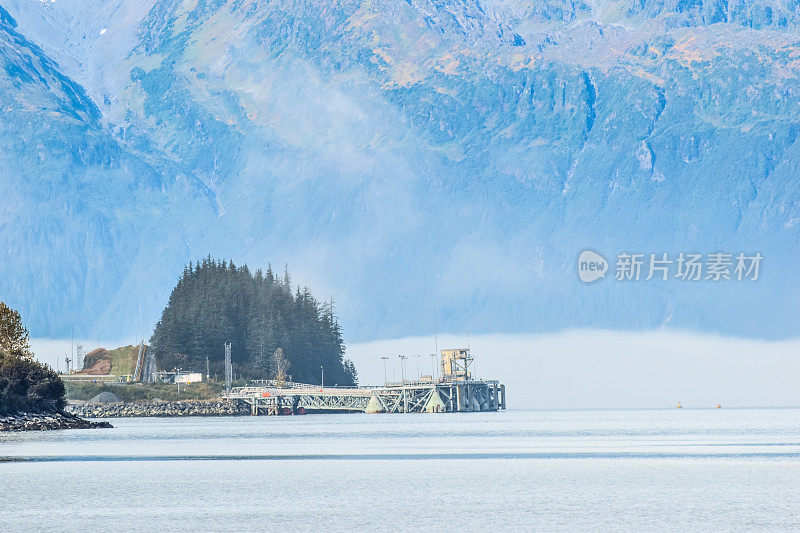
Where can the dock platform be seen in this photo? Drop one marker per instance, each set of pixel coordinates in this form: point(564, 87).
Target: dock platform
point(455, 390)
point(409, 397)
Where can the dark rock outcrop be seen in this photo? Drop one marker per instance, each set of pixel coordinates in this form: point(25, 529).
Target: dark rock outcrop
point(47, 421)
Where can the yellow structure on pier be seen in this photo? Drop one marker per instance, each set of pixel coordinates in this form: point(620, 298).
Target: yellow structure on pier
point(455, 364)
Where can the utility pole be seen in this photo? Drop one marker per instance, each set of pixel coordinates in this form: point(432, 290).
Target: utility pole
point(228, 367)
point(384, 368)
point(435, 332)
point(208, 370)
point(433, 366)
point(322, 378)
point(403, 367)
point(418, 374)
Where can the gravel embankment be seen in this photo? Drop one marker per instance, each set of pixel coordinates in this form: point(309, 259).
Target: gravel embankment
point(138, 409)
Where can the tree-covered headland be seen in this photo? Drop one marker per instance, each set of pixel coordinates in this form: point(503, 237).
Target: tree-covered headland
point(275, 332)
point(25, 385)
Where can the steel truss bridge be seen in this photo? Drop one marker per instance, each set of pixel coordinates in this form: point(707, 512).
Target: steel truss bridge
point(273, 398)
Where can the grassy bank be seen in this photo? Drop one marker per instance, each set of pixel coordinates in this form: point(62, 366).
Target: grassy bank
point(141, 392)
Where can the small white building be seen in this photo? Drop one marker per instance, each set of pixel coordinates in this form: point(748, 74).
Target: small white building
point(188, 377)
point(178, 376)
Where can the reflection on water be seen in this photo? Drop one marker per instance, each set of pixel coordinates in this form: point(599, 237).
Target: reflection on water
point(620, 469)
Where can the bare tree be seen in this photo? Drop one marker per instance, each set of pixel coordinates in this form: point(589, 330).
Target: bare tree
point(280, 367)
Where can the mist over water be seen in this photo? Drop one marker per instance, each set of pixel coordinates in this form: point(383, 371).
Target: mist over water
point(609, 369)
point(583, 368)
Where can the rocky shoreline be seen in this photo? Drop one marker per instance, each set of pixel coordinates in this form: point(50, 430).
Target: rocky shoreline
point(47, 421)
point(158, 409)
point(74, 414)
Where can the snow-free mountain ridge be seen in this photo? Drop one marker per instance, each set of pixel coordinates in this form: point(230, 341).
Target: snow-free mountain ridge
point(400, 153)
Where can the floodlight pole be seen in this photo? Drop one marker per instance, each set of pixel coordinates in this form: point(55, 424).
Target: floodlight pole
point(384, 368)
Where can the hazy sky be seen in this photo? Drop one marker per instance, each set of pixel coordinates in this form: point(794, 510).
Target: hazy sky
point(595, 369)
point(591, 369)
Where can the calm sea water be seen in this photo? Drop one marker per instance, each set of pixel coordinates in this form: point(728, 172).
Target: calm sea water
point(716, 469)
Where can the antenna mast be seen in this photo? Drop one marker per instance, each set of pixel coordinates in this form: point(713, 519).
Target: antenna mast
point(435, 335)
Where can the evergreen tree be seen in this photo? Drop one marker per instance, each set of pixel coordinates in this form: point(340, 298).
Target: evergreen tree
point(217, 302)
point(25, 385)
point(13, 335)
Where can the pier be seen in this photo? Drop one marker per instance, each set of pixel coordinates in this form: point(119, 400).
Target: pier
point(455, 391)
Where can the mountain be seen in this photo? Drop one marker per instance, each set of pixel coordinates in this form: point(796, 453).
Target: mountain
point(399, 154)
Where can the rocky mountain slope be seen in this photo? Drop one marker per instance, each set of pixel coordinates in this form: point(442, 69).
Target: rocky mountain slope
point(398, 153)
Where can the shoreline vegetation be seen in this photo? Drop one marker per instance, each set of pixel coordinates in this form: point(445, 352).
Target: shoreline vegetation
point(275, 332)
point(32, 396)
point(81, 392)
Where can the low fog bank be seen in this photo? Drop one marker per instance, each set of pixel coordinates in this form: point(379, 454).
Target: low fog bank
point(599, 369)
point(585, 368)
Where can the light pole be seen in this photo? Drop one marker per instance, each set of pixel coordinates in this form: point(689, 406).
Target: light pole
point(403, 367)
point(433, 366)
point(384, 368)
point(322, 379)
point(418, 374)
